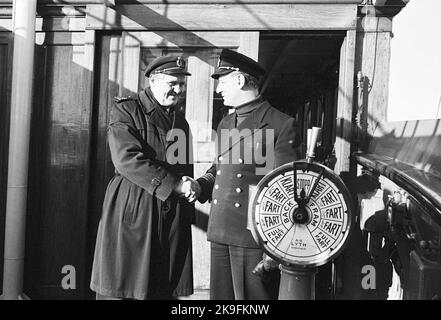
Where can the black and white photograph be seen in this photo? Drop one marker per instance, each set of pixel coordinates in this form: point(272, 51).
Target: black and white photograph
point(220, 158)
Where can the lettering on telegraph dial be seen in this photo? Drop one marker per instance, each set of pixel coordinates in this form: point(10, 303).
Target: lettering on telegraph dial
point(315, 237)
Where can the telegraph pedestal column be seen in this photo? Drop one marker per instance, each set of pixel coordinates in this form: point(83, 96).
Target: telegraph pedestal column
point(301, 215)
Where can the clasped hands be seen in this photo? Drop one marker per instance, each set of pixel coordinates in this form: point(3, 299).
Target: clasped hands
point(188, 188)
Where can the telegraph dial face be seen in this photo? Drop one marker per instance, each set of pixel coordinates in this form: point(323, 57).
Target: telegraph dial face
point(306, 232)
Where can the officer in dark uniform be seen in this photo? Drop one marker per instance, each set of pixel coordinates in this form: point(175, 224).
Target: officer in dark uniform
point(255, 128)
point(143, 246)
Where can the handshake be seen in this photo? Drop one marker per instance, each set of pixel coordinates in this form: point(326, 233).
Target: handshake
point(188, 188)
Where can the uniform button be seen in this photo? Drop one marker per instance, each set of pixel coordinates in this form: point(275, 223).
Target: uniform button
point(240, 160)
point(156, 182)
point(238, 190)
point(239, 175)
point(218, 172)
point(215, 201)
point(216, 186)
point(237, 204)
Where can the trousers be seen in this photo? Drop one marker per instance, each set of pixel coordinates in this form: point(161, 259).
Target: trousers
point(231, 276)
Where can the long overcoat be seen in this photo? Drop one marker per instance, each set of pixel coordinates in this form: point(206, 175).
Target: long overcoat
point(143, 246)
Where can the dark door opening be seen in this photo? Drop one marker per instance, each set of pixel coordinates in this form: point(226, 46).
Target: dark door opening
point(302, 78)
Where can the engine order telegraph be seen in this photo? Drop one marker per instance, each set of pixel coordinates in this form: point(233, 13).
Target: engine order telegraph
point(301, 215)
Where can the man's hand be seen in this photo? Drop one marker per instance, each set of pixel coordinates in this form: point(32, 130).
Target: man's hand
point(189, 189)
point(192, 189)
point(267, 264)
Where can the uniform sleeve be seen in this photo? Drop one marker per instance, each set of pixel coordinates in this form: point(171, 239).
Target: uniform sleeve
point(207, 183)
point(134, 158)
point(287, 148)
point(208, 179)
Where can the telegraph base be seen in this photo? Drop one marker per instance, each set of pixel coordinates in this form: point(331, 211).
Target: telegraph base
point(297, 284)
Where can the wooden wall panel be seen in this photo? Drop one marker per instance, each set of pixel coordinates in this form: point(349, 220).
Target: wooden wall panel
point(131, 52)
point(249, 44)
point(200, 89)
point(59, 168)
point(36, 148)
point(101, 167)
point(171, 39)
point(373, 60)
point(345, 104)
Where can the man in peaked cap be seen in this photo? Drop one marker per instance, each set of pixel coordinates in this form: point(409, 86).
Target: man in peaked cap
point(230, 61)
point(234, 252)
point(143, 246)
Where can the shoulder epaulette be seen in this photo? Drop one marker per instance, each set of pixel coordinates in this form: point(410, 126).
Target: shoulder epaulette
point(122, 99)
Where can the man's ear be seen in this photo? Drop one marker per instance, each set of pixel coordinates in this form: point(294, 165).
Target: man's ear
point(241, 80)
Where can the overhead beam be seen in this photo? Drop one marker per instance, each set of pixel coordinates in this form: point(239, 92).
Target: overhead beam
point(222, 17)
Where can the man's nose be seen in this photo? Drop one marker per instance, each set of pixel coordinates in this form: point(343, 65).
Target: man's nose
point(218, 88)
point(178, 88)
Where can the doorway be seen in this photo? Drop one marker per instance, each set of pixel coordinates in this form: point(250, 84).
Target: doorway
point(303, 79)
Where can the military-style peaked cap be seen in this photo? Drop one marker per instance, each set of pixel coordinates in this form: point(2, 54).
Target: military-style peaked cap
point(168, 65)
point(230, 61)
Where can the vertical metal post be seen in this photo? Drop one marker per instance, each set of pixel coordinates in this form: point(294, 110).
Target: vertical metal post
point(21, 105)
point(297, 284)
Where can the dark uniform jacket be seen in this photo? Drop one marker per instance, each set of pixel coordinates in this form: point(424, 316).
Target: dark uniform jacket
point(143, 247)
point(226, 183)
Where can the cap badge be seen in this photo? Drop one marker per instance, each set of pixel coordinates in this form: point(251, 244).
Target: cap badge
point(180, 62)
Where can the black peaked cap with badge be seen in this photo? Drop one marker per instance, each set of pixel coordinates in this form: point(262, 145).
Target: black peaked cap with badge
point(169, 64)
point(230, 61)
